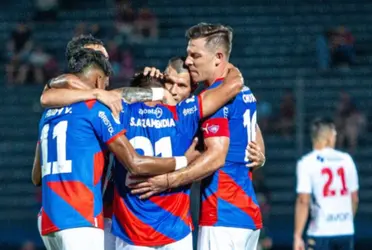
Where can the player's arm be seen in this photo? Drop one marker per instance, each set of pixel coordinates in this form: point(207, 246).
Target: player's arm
point(63, 97)
point(143, 165)
point(36, 169)
point(211, 160)
point(213, 99)
point(303, 199)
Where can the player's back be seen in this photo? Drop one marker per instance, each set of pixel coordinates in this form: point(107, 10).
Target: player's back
point(228, 197)
point(332, 177)
point(163, 132)
point(72, 164)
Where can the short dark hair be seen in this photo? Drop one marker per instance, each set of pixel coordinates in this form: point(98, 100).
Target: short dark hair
point(178, 64)
point(84, 58)
point(319, 124)
point(215, 34)
point(141, 81)
point(79, 42)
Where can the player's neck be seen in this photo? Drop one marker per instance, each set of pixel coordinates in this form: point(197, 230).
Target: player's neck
point(220, 72)
point(88, 84)
point(320, 146)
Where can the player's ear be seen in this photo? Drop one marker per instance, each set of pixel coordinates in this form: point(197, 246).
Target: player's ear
point(100, 82)
point(219, 56)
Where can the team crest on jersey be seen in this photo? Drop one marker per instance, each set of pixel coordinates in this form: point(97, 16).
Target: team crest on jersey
point(213, 129)
point(158, 112)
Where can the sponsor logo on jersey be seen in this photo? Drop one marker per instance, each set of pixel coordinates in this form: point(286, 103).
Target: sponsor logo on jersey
point(158, 112)
point(191, 99)
point(225, 112)
point(338, 217)
point(116, 119)
point(106, 121)
point(59, 111)
point(152, 123)
point(189, 111)
point(249, 98)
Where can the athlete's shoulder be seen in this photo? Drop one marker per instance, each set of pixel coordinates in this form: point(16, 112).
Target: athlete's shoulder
point(342, 155)
point(309, 157)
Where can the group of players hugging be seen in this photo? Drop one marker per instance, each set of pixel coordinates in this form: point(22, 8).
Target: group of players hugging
point(116, 166)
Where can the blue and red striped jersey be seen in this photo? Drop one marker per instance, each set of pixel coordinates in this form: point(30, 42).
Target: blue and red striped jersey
point(228, 198)
point(72, 139)
point(162, 131)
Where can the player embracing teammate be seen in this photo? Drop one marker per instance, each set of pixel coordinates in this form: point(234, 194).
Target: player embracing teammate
point(230, 216)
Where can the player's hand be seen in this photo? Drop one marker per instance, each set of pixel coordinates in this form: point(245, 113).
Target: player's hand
point(255, 155)
point(151, 186)
point(153, 72)
point(298, 243)
point(111, 99)
point(233, 73)
point(192, 153)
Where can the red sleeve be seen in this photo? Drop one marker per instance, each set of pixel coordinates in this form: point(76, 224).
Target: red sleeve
point(216, 127)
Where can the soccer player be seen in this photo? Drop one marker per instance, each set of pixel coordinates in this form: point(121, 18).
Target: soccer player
point(327, 183)
point(162, 222)
point(111, 99)
point(71, 142)
point(230, 217)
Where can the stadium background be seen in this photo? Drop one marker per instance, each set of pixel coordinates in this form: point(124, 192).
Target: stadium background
point(278, 46)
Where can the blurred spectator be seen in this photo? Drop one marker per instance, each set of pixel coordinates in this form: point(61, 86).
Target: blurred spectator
point(335, 48)
point(97, 31)
point(146, 24)
point(264, 111)
point(323, 50)
point(46, 10)
point(38, 64)
point(286, 114)
point(125, 18)
point(127, 66)
point(115, 57)
point(18, 50)
point(28, 245)
point(80, 29)
point(343, 52)
point(350, 123)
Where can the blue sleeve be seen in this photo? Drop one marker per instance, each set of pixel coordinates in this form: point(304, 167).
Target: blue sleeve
point(190, 113)
point(106, 127)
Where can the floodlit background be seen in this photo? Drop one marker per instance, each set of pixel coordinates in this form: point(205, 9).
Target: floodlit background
point(300, 58)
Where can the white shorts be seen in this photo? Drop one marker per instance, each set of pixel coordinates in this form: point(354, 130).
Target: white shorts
point(81, 238)
point(227, 238)
point(109, 237)
point(184, 244)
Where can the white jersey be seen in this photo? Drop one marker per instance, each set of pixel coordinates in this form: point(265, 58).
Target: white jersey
point(330, 176)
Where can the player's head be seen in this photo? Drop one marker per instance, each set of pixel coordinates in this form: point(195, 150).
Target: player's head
point(209, 48)
point(91, 66)
point(323, 133)
point(181, 87)
point(84, 41)
point(141, 81)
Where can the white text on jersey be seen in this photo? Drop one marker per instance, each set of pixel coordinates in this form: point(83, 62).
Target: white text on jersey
point(152, 123)
point(52, 112)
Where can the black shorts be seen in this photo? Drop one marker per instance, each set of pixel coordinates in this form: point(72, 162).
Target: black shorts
point(330, 243)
